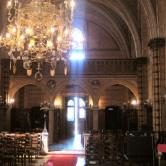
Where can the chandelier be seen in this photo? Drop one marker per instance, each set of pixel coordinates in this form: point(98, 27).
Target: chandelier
point(38, 31)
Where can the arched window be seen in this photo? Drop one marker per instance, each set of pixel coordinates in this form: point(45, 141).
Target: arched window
point(70, 110)
point(82, 111)
point(81, 102)
point(76, 108)
point(70, 103)
point(77, 51)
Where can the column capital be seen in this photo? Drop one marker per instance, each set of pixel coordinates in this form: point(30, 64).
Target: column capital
point(156, 43)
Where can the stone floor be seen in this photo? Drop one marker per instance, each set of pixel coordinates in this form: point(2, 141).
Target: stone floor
point(73, 143)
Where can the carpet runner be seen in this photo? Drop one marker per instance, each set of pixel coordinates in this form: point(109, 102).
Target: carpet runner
point(62, 160)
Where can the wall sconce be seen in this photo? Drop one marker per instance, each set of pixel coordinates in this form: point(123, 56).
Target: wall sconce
point(11, 101)
point(58, 102)
point(134, 102)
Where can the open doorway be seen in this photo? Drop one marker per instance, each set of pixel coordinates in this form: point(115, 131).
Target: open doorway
point(75, 114)
point(26, 115)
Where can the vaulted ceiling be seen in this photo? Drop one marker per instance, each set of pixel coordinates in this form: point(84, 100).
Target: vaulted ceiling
point(113, 28)
point(130, 23)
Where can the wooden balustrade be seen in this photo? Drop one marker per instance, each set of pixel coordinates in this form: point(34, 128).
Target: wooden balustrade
point(88, 67)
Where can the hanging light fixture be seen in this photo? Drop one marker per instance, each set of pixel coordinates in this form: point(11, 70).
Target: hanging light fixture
point(39, 31)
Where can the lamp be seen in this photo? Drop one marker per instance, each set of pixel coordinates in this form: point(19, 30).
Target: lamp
point(39, 31)
point(134, 102)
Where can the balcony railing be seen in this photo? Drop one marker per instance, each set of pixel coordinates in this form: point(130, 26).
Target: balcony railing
point(89, 67)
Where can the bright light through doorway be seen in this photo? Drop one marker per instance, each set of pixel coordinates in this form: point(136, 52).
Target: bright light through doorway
point(76, 115)
point(76, 112)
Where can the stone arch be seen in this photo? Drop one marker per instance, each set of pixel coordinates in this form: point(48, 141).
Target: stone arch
point(19, 83)
point(61, 85)
point(128, 84)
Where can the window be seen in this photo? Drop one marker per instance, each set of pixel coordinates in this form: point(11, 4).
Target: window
point(76, 108)
point(82, 111)
point(81, 102)
point(70, 114)
point(82, 114)
point(70, 111)
point(77, 52)
point(70, 103)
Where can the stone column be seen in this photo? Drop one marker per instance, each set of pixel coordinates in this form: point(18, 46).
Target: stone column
point(157, 46)
point(142, 89)
point(96, 85)
point(4, 88)
point(51, 127)
point(95, 118)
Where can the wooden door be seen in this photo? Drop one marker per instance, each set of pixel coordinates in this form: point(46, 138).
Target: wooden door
point(76, 115)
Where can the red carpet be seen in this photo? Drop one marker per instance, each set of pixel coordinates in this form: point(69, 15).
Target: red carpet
point(62, 160)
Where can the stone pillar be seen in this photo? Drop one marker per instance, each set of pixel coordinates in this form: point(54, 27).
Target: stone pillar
point(51, 126)
point(4, 88)
point(142, 89)
point(5, 80)
point(95, 118)
point(96, 85)
point(157, 46)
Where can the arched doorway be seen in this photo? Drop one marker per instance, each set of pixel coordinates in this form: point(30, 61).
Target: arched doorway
point(120, 108)
point(25, 113)
point(116, 94)
point(76, 114)
point(71, 117)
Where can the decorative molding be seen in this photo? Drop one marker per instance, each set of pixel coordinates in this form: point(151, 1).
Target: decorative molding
point(51, 84)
